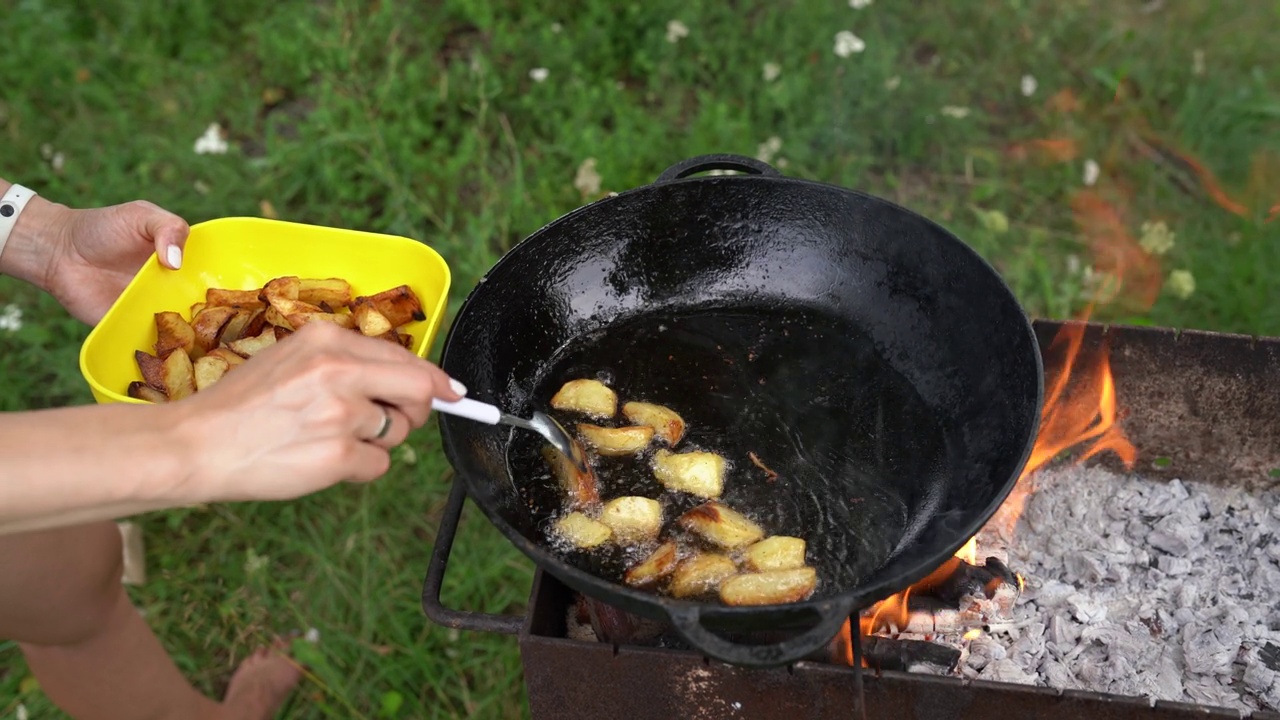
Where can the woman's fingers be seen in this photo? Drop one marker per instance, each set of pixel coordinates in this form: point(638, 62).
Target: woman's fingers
point(389, 427)
point(167, 231)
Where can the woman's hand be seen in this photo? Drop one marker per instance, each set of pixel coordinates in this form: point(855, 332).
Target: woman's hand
point(302, 415)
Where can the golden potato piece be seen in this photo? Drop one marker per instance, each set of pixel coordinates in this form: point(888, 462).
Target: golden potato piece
point(701, 574)
point(152, 369)
point(404, 340)
point(582, 531)
point(399, 305)
point(281, 288)
point(209, 370)
point(589, 397)
point(173, 333)
point(334, 292)
point(226, 354)
point(369, 320)
point(281, 332)
point(633, 518)
point(139, 390)
point(666, 423)
point(177, 373)
point(208, 326)
point(697, 473)
point(616, 441)
point(342, 320)
point(769, 588)
point(237, 325)
point(581, 488)
point(196, 308)
point(250, 346)
point(243, 299)
point(651, 570)
point(721, 525)
point(779, 552)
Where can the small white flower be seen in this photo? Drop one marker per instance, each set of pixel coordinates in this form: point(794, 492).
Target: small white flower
point(1028, 85)
point(253, 562)
point(1182, 284)
point(1197, 62)
point(312, 636)
point(676, 30)
point(892, 83)
point(556, 28)
point(407, 455)
point(955, 111)
point(20, 712)
point(859, 4)
point(211, 142)
point(1156, 238)
point(847, 44)
point(766, 151)
point(539, 74)
point(587, 180)
point(57, 161)
point(11, 318)
point(201, 187)
point(46, 151)
point(1091, 172)
point(1073, 264)
point(771, 71)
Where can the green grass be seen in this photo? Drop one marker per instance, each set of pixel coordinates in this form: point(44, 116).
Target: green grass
point(422, 119)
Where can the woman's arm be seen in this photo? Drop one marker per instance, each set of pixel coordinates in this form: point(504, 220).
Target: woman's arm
point(33, 243)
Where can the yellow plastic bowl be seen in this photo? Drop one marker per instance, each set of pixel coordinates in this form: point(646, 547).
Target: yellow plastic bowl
point(242, 253)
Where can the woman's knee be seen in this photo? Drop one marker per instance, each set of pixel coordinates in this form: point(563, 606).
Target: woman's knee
point(59, 587)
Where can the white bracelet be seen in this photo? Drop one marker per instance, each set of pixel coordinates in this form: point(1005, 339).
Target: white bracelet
point(11, 205)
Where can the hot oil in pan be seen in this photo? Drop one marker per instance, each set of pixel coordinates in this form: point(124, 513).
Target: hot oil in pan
point(851, 443)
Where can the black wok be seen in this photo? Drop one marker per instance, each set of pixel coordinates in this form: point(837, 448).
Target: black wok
point(865, 354)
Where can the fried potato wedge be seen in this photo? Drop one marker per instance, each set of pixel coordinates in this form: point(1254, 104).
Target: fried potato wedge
point(721, 525)
point(242, 299)
point(197, 307)
point(404, 340)
point(139, 390)
point(581, 488)
point(281, 288)
point(237, 325)
point(368, 319)
point(701, 574)
point(152, 369)
point(616, 441)
point(659, 564)
point(173, 333)
point(582, 531)
point(342, 320)
point(779, 552)
point(281, 332)
point(272, 316)
point(586, 396)
point(208, 326)
point(228, 355)
point(697, 473)
point(250, 346)
point(775, 587)
point(177, 372)
point(295, 307)
point(633, 518)
point(334, 292)
point(399, 305)
point(666, 423)
point(209, 370)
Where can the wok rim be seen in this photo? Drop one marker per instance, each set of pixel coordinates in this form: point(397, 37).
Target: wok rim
point(851, 599)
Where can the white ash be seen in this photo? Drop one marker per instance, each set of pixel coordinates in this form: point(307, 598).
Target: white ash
point(1164, 590)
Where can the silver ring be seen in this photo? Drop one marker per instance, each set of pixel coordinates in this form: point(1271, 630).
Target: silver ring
point(386, 424)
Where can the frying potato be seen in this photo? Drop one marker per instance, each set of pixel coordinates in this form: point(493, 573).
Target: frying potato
point(616, 441)
point(582, 531)
point(139, 390)
point(334, 292)
point(701, 574)
point(399, 305)
point(633, 518)
point(779, 552)
point(208, 326)
point(173, 333)
point(243, 299)
point(342, 320)
point(697, 473)
point(721, 525)
point(580, 487)
point(177, 374)
point(250, 346)
point(152, 369)
point(769, 588)
point(666, 423)
point(368, 319)
point(209, 370)
point(651, 570)
point(589, 397)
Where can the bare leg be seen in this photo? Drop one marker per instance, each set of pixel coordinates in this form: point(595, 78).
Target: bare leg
point(61, 599)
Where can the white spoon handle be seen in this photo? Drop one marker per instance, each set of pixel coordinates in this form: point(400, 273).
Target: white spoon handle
point(470, 409)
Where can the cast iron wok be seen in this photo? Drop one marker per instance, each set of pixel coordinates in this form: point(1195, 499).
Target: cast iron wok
point(863, 353)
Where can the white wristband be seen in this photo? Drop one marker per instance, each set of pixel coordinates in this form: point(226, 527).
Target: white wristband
point(11, 205)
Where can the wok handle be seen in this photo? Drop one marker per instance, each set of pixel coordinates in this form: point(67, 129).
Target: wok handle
point(688, 622)
point(724, 161)
point(431, 605)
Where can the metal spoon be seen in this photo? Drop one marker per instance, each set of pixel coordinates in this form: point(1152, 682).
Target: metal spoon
point(541, 423)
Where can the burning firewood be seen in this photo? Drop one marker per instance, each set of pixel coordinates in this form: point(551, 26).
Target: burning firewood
point(882, 653)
